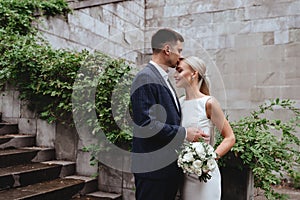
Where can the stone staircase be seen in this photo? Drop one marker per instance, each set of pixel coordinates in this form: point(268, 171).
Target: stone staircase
point(32, 173)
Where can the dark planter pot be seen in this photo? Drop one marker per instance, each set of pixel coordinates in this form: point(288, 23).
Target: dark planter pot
point(237, 182)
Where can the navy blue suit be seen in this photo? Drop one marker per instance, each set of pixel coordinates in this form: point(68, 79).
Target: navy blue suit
point(157, 134)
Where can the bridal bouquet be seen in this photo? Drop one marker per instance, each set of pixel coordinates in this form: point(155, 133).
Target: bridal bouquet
point(197, 158)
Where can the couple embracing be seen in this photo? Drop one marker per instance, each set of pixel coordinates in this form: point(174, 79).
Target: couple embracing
point(162, 122)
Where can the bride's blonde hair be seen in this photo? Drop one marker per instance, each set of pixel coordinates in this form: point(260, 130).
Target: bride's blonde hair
point(199, 66)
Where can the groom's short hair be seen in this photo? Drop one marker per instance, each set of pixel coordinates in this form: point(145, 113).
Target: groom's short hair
point(164, 36)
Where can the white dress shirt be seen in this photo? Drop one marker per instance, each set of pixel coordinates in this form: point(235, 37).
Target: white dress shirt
point(164, 74)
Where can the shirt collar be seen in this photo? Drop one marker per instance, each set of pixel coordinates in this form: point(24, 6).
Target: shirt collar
point(162, 72)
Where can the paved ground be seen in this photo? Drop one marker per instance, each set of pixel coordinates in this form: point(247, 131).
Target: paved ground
point(292, 193)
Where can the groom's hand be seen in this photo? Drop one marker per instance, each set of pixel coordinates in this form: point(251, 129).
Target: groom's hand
point(193, 135)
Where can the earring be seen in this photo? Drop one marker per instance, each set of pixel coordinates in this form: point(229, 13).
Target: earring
point(192, 78)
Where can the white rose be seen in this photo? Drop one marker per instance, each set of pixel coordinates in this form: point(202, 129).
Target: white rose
point(200, 152)
point(188, 157)
point(205, 169)
point(199, 172)
point(210, 150)
point(211, 164)
point(196, 144)
point(197, 164)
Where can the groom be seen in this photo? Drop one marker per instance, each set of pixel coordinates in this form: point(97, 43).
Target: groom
point(157, 116)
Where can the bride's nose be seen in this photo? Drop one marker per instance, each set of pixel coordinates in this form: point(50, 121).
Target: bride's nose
point(175, 74)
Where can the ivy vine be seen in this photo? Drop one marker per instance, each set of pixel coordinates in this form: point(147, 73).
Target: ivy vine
point(45, 76)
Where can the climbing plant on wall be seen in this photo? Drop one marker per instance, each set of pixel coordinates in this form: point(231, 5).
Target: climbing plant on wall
point(45, 76)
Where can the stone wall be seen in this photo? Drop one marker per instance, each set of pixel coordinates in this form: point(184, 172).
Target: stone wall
point(251, 47)
point(116, 29)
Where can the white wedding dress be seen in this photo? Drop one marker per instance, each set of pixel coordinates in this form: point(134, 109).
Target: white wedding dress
point(194, 115)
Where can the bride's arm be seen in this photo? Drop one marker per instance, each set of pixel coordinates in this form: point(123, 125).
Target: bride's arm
point(216, 115)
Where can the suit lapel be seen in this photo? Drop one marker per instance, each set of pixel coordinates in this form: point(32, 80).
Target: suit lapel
point(162, 81)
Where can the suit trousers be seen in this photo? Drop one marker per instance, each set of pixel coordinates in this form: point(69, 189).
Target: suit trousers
point(152, 189)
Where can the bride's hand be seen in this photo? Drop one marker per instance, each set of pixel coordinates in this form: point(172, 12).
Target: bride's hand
point(193, 135)
point(205, 137)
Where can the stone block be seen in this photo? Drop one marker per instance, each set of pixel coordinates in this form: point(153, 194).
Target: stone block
point(281, 37)
point(138, 8)
point(83, 166)
point(292, 73)
point(260, 93)
point(81, 19)
point(297, 21)
point(214, 42)
point(97, 13)
point(27, 125)
point(110, 180)
point(172, 2)
point(45, 133)
point(294, 35)
point(249, 40)
point(7, 104)
point(229, 41)
point(65, 144)
point(60, 27)
point(108, 18)
point(149, 13)
point(158, 13)
point(270, 79)
point(290, 92)
point(226, 54)
point(292, 50)
point(269, 52)
point(238, 98)
point(85, 37)
point(135, 39)
point(16, 104)
point(128, 194)
point(151, 22)
point(293, 8)
point(176, 10)
point(235, 114)
point(155, 3)
point(25, 112)
point(133, 17)
point(55, 41)
point(1, 103)
point(244, 81)
point(268, 38)
point(229, 16)
point(100, 28)
point(128, 181)
point(267, 10)
point(265, 25)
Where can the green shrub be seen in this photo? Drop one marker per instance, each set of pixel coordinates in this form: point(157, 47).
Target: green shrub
point(262, 151)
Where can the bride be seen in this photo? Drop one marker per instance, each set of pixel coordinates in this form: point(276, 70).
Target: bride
point(203, 111)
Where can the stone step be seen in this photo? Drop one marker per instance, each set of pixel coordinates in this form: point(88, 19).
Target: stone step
point(68, 167)
point(8, 128)
point(104, 196)
point(26, 174)
point(99, 195)
point(91, 184)
point(11, 157)
point(58, 189)
point(5, 138)
point(16, 140)
point(43, 153)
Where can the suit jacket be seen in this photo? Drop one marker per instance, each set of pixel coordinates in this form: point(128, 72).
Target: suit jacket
point(157, 132)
